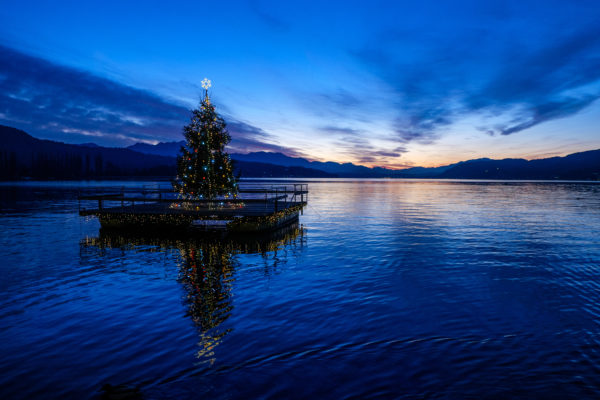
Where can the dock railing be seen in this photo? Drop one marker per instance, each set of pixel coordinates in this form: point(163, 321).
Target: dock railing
point(280, 195)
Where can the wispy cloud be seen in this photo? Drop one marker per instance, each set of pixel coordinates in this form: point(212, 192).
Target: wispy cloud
point(359, 148)
point(249, 138)
point(59, 102)
point(339, 98)
point(340, 130)
point(64, 103)
point(538, 113)
point(449, 79)
point(336, 102)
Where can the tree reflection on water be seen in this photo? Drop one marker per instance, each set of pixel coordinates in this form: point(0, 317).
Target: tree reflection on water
point(206, 269)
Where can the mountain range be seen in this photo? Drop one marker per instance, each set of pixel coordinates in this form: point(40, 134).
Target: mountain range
point(584, 166)
point(23, 156)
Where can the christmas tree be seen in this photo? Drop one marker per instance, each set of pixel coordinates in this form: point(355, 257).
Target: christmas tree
point(204, 169)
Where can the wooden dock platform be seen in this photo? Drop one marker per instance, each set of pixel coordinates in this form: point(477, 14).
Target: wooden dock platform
point(254, 209)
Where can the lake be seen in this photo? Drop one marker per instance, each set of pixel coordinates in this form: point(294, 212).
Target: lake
point(387, 289)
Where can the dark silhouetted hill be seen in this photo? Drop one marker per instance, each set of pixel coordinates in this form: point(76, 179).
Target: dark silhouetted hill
point(264, 170)
point(166, 149)
point(23, 156)
point(577, 166)
point(346, 170)
point(263, 157)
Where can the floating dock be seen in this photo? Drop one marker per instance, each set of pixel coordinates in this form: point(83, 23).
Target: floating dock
point(255, 209)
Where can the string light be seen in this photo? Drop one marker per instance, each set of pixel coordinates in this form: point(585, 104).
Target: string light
point(206, 137)
point(204, 148)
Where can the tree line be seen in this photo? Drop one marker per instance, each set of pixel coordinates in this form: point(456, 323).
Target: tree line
point(44, 165)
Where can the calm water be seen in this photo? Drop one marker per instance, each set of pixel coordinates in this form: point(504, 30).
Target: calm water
point(389, 289)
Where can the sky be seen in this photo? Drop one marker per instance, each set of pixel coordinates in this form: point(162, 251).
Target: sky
point(393, 84)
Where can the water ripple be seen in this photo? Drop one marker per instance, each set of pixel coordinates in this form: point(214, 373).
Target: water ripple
point(393, 289)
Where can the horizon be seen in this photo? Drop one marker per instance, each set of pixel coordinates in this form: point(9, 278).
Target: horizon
point(390, 86)
point(128, 147)
point(375, 166)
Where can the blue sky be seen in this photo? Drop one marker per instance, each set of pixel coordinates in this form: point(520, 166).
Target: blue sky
point(392, 84)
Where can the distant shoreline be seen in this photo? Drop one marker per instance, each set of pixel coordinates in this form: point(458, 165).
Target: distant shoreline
point(24, 157)
point(308, 179)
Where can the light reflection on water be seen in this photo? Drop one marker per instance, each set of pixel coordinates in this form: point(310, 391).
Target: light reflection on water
point(206, 269)
point(392, 289)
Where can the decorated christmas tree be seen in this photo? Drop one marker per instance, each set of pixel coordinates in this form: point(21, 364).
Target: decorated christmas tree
point(204, 169)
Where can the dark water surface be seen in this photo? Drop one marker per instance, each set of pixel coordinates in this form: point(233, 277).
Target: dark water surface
point(390, 289)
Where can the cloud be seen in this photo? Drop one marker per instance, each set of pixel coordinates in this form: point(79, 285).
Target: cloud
point(339, 98)
point(338, 130)
point(247, 138)
point(360, 149)
point(519, 82)
point(62, 103)
point(336, 102)
point(385, 153)
point(546, 112)
point(543, 85)
point(57, 102)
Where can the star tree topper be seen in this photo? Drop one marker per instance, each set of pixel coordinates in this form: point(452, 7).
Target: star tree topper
point(206, 83)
